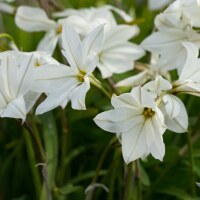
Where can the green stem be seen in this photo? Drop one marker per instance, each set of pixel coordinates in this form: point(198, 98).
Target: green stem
point(129, 182)
point(32, 161)
point(191, 160)
point(98, 85)
point(137, 179)
point(41, 158)
point(5, 35)
point(37, 143)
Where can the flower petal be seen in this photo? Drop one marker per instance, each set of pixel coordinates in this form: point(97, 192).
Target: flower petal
point(33, 19)
point(16, 109)
point(72, 46)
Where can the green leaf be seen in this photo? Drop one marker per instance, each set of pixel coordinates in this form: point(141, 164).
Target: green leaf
point(180, 194)
point(68, 189)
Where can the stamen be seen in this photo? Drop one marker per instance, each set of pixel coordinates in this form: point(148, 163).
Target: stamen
point(81, 75)
point(148, 112)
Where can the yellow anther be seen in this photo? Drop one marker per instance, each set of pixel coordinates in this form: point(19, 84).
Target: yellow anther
point(81, 75)
point(148, 112)
point(59, 29)
point(37, 63)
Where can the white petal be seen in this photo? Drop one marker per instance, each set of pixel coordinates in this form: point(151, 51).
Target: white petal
point(52, 77)
point(172, 105)
point(157, 86)
point(57, 98)
point(78, 95)
point(120, 12)
point(118, 120)
point(49, 42)
point(16, 109)
point(191, 66)
point(158, 147)
point(33, 19)
point(9, 72)
point(25, 75)
point(188, 87)
point(119, 34)
point(133, 81)
point(91, 63)
point(93, 42)
point(134, 143)
point(125, 100)
point(3, 102)
point(72, 46)
point(4, 7)
point(176, 118)
point(125, 49)
point(30, 98)
point(162, 42)
point(143, 97)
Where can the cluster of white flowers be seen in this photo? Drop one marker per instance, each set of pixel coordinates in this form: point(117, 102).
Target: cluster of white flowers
point(91, 39)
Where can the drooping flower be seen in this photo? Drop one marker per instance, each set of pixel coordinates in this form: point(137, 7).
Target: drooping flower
point(64, 83)
point(189, 79)
point(34, 19)
point(138, 121)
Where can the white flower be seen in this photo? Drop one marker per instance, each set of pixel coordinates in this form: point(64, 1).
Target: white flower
point(86, 19)
point(72, 83)
point(118, 54)
point(35, 19)
point(168, 44)
point(179, 14)
point(138, 121)
point(189, 79)
point(15, 82)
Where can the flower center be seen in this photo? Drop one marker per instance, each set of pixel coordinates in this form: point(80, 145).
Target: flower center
point(148, 112)
point(59, 29)
point(81, 75)
point(37, 63)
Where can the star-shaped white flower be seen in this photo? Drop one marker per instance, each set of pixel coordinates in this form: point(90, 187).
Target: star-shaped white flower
point(138, 121)
point(64, 83)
